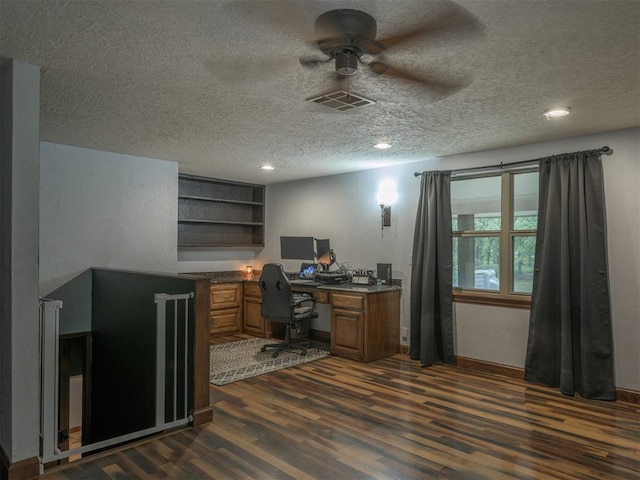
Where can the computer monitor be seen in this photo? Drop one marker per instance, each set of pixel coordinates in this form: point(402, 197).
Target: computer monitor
point(325, 256)
point(296, 248)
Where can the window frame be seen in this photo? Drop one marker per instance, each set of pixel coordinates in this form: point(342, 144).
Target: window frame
point(504, 297)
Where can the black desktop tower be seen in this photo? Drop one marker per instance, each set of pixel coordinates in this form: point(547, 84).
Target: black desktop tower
point(384, 273)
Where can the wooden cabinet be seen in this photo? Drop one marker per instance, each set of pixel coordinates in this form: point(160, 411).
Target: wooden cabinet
point(219, 213)
point(226, 308)
point(346, 325)
point(365, 327)
point(346, 334)
point(253, 322)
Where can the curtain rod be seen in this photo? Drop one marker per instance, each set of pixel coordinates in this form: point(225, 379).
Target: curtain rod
point(602, 151)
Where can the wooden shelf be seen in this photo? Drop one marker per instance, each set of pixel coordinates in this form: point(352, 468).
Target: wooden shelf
point(220, 200)
point(219, 213)
point(218, 245)
point(223, 222)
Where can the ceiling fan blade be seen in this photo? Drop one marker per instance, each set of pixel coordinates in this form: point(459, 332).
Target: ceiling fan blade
point(313, 62)
point(287, 16)
point(452, 19)
point(438, 88)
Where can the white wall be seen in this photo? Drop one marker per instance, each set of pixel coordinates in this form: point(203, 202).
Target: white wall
point(101, 209)
point(19, 347)
point(344, 209)
point(215, 259)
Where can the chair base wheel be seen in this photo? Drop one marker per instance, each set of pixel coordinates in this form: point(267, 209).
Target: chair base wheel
point(263, 349)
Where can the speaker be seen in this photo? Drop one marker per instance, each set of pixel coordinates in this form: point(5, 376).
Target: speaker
point(384, 273)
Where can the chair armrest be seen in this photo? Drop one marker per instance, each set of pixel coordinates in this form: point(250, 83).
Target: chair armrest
point(300, 301)
point(302, 307)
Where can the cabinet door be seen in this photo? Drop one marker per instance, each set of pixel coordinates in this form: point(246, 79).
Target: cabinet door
point(226, 308)
point(252, 289)
point(346, 333)
point(253, 322)
point(225, 321)
point(225, 295)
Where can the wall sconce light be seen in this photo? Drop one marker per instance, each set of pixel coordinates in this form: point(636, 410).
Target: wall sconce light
point(248, 270)
point(387, 194)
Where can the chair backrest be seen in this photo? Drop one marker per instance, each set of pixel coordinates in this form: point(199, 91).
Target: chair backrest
point(276, 293)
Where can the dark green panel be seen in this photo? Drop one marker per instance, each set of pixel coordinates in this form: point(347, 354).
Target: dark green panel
point(124, 353)
point(75, 314)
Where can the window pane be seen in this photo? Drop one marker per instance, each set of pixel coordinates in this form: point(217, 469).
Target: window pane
point(525, 201)
point(524, 252)
point(476, 204)
point(476, 262)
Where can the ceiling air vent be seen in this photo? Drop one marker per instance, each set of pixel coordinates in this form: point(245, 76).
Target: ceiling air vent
point(341, 100)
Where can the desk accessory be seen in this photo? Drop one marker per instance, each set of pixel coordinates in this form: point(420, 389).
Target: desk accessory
point(363, 276)
point(384, 273)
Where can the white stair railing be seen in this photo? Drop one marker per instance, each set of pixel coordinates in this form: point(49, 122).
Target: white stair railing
point(161, 300)
point(49, 362)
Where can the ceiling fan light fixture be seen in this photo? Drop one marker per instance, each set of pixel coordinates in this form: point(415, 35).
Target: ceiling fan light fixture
point(557, 112)
point(346, 63)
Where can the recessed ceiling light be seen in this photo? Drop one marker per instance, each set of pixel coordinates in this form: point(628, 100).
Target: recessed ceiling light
point(266, 167)
point(382, 145)
point(556, 112)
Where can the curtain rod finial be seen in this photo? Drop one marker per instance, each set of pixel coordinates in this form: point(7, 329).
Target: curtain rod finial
point(606, 150)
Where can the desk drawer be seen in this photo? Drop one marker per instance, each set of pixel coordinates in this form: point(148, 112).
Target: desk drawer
point(252, 289)
point(321, 297)
point(226, 295)
point(225, 321)
point(348, 301)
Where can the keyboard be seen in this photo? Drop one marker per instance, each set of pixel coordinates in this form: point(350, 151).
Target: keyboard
point(300, 281)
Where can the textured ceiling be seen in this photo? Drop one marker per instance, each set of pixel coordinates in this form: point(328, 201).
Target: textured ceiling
point(216, 85)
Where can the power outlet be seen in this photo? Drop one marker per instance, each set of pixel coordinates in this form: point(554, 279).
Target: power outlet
point(404, 338)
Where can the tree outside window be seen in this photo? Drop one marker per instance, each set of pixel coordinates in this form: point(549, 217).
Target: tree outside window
point(494, 227)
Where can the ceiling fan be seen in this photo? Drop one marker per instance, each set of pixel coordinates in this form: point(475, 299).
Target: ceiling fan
point(349, 39)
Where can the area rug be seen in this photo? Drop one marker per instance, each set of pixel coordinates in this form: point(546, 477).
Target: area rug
point(233, 361)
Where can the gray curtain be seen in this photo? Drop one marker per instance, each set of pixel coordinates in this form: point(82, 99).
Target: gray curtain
point(570, 342)
point(431, 333)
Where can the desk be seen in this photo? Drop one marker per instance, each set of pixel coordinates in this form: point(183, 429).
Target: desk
point(365, 320)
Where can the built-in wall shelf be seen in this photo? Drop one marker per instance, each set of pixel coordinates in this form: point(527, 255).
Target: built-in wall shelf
point(219, 213)
point(223, 200)
point(224, 222)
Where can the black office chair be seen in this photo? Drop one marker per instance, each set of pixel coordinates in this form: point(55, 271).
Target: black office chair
point(279, 305)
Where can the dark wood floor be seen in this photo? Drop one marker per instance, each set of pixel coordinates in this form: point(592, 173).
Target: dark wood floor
point(390, 419)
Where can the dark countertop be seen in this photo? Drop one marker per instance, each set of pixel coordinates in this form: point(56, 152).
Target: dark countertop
point(360, 288)
point(227, 277)
point(239, 276)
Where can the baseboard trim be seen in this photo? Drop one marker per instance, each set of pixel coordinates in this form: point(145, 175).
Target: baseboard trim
point(20, 470)
point(489, 367)
point(202, 416)
point(320, 336)
point(622, 394)
point(628, 396)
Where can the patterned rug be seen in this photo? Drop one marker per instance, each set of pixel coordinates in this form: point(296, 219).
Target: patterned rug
point(233, 361)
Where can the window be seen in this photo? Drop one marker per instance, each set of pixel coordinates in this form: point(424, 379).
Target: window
point(494, 235)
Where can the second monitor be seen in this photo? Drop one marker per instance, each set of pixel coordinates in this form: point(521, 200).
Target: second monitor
point(324, 253)
point(297, 248)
